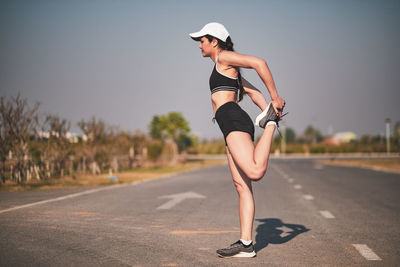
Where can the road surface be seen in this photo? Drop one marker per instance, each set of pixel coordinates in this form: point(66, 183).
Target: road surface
point(307, 214)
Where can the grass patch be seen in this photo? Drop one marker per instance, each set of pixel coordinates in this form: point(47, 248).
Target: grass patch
point(388, 164)
point(126, 176)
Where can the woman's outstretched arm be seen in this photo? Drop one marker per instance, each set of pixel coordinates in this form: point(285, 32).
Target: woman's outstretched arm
point(261, 67)
point(256, 96)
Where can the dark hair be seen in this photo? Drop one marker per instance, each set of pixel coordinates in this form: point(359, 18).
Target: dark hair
point(228, 45)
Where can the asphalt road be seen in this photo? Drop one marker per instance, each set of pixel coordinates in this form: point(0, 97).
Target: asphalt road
point(307, 214)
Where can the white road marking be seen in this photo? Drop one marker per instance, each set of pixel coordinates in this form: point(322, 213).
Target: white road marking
point(63, 197)
point(280, 171)
point(366, 252)
point(308, 197)
point(178, 198)
point(327, 214)
point(291, 180)
point(297, 186)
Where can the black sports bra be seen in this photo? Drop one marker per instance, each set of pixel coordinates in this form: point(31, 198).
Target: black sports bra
point(221, 82)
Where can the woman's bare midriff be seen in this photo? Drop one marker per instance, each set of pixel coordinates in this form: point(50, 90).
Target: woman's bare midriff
point(222, 97)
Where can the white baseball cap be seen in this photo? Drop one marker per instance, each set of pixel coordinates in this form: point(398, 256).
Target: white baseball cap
point(214, 29)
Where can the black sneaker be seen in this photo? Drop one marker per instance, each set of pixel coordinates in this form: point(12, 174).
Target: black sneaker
point(237, 249)
point(267, 115)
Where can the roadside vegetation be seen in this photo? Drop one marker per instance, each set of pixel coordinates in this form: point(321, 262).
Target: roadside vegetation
point(39, 151)
point(311, 141)
point(125, 176)
point(384, 164)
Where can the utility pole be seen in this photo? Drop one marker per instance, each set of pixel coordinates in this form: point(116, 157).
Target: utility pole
point(388, 136)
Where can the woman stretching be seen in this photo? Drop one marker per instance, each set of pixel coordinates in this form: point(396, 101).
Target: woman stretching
point(246, 162)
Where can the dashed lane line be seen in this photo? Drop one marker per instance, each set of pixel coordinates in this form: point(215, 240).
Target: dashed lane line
point(297, 186)
point(327, 214)
point(363, 249)
point(308, 197)
point(366, 252)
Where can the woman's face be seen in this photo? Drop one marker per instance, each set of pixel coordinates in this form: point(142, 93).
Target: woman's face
point(205, 46)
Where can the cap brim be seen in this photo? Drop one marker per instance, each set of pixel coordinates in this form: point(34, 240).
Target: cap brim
point(196, 35)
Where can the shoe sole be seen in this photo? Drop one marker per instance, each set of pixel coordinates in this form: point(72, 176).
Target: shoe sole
point(240, 255)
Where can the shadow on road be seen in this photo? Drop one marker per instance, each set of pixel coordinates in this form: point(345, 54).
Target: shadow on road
point(272, 231)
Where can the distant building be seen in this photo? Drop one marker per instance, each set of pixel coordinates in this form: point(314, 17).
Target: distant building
point(85, 138)
point(47, 134)
point(44, 134)
point(72, 137)
point(330, 140)
point(339, 138)
point(345, 137)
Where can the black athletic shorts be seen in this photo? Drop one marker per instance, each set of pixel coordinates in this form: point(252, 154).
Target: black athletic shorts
point(231, 117)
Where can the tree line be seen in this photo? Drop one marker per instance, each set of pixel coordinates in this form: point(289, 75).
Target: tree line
point(36, 146)
point(310, 141)
point(313, 141)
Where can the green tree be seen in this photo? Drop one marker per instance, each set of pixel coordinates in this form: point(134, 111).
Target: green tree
point(156, 127)
point(396, 137)
point(154, 151)
point(290, 135)
point(173, 126)
point(184, 142)
point(312, 135)
point(397, 129)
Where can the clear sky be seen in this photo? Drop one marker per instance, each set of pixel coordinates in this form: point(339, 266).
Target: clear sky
point(336, 63)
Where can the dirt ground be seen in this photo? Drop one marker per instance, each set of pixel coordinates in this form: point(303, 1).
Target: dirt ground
point(129, 176)
point(388, 165)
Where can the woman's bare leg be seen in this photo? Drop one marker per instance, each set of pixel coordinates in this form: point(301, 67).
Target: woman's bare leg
point(251, 160)
point(246, 200)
